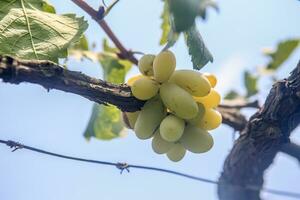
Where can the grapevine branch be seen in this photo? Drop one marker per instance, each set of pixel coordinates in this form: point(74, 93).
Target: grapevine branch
point(265, 134)
point(52, 76)
point(124, 53)
point(291, 149)
point(124, 166)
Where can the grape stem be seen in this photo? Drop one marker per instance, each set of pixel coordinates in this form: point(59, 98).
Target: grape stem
point(124, 53)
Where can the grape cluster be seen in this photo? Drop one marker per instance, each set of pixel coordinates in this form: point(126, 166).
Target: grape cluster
point(180, 107)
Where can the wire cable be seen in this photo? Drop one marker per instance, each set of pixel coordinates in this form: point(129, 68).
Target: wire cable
point(124, 166)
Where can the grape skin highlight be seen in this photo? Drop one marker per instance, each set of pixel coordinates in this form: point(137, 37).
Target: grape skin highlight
point(179, 101)
point(192, 81)
point(196, 140)
point(163, 66)
point(149, 118)
point(212, 100)
point(171, 128)
point(144, 88)
point(146, 64)
point(159, 145)
point(212, 119)
point(176, 153)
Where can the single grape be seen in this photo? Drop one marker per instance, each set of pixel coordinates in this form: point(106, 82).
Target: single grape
point(196, 120)
point(192, 81)
point(129, 118)
point(212, 119)
point(212, 100)
point(171, 128)
point(149, 119)
point(163, 66)
point(146, 64)
point(179, 101)
point(159, 145)
point(144, 88)
point(196, 140)
point(212, 79)
point(133, 79)
point(176, 153)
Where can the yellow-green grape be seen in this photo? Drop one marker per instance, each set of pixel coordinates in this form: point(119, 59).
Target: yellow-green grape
point(144, 88)
point(179, 101)
point(146, 64)
point(171, 128)
point(176, 153)
point(149, 119)
point(212, 100)
point(133, 79)
point(129, 118)
point(192, 81)
point(159, 145)
point(196, 140)
point(211, 119)
point(211, 78)
point(199, 116)
point(163, 66)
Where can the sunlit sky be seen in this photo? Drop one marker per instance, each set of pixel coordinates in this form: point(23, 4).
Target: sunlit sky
point(55, 120)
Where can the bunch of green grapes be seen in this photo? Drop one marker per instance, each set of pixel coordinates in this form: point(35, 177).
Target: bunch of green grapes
point(180, 108)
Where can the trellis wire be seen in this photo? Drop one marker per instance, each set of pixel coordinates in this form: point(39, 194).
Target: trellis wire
point(124, 166)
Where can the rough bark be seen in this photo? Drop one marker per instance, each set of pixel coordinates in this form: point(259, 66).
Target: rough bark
point(264, 134)
point(292, 150)
point(52, 76)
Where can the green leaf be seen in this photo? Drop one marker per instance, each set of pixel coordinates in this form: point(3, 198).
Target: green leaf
point(165, 26)
point(250, 82)
point(282, 53)
point(232, 95)
point(82, 44)
point(29, 31)
point(204, 5)
point(184, 13)
point(114, 69)
point(105, 122)
point(48, 7)
point(197, 48)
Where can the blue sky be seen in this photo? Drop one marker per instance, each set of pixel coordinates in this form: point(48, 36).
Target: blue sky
point(56, 120)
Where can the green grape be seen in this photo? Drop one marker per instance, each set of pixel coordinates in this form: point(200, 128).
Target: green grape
point(196, 120)
point(159, 145)
point(212, 100)
point(196, 140)
point(192, 81)
point(149, 119)
point(144, 88)
point(163, 66)
point(176, 153)
point(146, 64)
point(133, 79)
point(129, 118)
point(171, 128)
point(211, 119)
point(212, 79)
point(178, 101)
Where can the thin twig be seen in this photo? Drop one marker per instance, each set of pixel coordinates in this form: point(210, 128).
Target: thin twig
point(239, 104)
point(126, 54)
point(291, 149)
point(125, 166)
